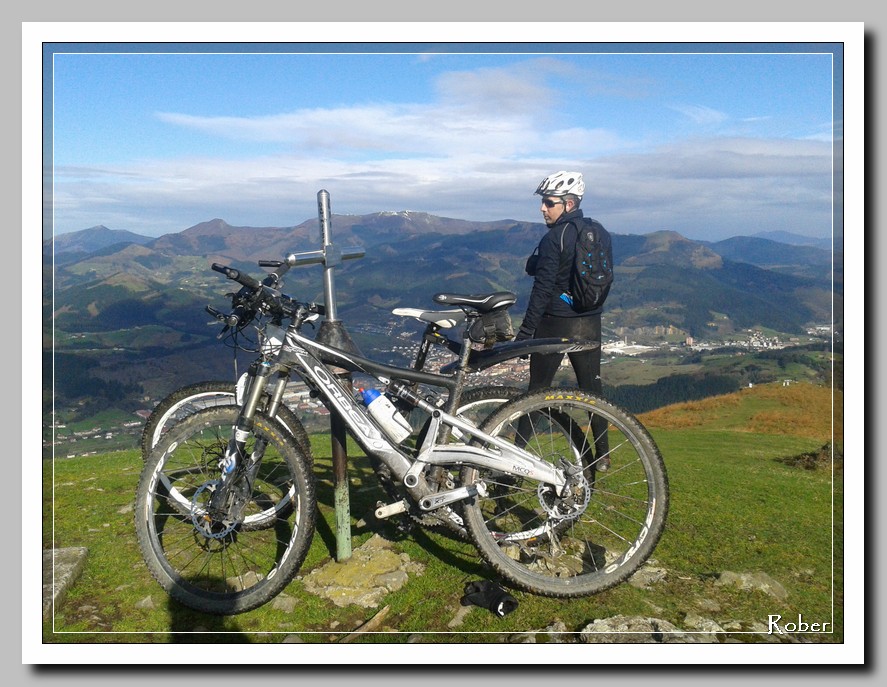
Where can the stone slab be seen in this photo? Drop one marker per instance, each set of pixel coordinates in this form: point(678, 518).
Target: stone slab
point(61, 568)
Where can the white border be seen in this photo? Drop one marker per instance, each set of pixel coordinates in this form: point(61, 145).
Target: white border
point(848, 33)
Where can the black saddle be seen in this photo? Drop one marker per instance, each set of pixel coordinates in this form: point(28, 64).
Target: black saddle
point(483, 303)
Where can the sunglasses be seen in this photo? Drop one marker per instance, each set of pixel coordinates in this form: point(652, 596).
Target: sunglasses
point(550, 203)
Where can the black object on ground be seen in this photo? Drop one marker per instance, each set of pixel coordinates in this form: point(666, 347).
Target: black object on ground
point(489, 595)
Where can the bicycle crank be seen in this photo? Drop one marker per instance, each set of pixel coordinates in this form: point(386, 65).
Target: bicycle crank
point(445, 498)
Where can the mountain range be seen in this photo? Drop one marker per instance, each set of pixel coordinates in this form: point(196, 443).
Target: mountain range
point(133, 306)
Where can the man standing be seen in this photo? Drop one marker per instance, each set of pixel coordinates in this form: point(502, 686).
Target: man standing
point(550, 312)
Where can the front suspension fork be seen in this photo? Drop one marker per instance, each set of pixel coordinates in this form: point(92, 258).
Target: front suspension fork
point(238, 468)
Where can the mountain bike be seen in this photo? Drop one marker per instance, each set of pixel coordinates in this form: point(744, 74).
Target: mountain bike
point(226, 501)
point(475, 402)
point(190, 398)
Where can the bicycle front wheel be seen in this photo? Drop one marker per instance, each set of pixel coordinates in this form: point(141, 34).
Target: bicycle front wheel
point(597, 532)
point(216, 562)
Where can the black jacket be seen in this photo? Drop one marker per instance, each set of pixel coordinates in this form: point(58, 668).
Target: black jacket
point(552, 273)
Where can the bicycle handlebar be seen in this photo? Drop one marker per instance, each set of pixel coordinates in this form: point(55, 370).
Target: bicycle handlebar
point(238, 276)
point(255, 295)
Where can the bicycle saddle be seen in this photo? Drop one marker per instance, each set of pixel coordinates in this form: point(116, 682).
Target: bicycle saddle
point(483, 303)
point(442, 318)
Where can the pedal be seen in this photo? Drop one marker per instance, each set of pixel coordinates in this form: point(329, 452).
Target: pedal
point(397, 508)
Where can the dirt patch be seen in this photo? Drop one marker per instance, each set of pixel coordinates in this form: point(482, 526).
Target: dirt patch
point(821, 458)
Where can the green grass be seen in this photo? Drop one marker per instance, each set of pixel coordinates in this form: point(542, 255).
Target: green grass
point(627, 370)
point(734, 507)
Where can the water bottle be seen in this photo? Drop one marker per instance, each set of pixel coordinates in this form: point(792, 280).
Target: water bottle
point(384, 412)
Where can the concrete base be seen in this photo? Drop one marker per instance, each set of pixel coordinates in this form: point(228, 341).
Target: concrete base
point(61, 568)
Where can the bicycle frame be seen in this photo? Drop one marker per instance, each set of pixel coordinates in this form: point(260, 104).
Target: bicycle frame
point(311, 359)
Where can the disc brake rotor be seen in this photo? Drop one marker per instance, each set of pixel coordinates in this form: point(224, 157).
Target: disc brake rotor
point(570, 506)
point(202, 519)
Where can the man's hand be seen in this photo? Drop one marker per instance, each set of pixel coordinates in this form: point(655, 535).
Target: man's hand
point(523, 334)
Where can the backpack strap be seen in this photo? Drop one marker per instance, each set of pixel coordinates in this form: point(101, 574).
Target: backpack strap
point(564, 230)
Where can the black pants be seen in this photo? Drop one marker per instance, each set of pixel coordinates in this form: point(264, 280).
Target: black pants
point(586, 366)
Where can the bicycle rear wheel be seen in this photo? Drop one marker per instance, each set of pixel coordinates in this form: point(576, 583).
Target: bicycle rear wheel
point(181, 403)
point(187, 400)
point(215, 561)
point(606, 524)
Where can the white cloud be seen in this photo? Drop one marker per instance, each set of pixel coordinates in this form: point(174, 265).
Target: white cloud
point(704, 188)
point(501, 111)
point(700, 114)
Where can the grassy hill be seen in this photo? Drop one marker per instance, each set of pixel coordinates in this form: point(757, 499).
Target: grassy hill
point(798, 410)
point(738, 503)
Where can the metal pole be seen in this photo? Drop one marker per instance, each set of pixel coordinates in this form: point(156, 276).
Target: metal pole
point(332, 331)
point(330, 259)
point(341, 497)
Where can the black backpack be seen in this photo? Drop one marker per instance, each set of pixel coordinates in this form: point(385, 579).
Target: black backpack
point(592, 272)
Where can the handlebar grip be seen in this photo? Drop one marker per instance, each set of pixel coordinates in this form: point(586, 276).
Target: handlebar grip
point(239, 314)
point(237, 275)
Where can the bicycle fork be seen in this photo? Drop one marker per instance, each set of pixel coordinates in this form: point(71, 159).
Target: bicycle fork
point(238, 470)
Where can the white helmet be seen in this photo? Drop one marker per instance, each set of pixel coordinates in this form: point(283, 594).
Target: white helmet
point(562, 183)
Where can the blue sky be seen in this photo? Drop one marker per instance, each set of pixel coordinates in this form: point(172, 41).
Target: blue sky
point(707, 140)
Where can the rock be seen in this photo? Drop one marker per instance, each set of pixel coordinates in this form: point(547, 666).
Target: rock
point(146, 603)
point(293, 639)
point(710, 629)
point(249, 579)
point(708, 605)
point(647, 576)
point(373, 571)
point(760, 581)
point(392, 581)
point(761, 629)
point(557, 633)
point(460, 616)
point(285, 603)
point(622, 629)
point(61, 568)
